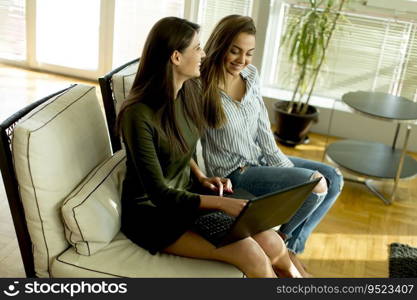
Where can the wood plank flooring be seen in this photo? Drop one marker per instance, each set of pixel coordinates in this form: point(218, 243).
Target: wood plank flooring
point(351, 241)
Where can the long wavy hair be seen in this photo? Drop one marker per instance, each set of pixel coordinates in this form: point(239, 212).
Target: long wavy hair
point(213, 72)
point(154, 81)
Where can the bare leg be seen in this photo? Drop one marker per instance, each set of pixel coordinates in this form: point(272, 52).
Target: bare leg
point(321, 187)
point(298, 264)
point(246, 254)
point(277, 252)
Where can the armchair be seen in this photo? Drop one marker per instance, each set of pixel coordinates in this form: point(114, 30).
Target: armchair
point(63, 184)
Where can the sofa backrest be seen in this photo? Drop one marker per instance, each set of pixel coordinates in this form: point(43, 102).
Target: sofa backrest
point(122, 82)
point(115, 87)
point(54, 148)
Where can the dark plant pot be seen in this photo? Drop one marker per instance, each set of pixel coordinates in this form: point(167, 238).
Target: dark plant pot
point(292, 129)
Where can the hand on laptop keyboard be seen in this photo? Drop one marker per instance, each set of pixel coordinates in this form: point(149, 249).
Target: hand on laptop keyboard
point(217, 185)
point(232, 206)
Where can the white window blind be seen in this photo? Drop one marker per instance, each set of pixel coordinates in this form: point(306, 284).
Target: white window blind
point(12, 29)
point(409, 79)
point(212, 11)
point(133, 21)
point(366, 53)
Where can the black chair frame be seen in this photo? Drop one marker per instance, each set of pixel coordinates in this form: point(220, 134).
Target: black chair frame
point(11, 185)
point(109, 103)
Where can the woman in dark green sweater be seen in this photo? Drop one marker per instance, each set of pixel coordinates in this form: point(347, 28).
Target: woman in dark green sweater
point(160, 123)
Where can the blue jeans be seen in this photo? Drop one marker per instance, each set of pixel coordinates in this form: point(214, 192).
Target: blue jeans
point(260, 180)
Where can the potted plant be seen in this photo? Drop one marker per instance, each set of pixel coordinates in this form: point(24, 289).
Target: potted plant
point(307, 39)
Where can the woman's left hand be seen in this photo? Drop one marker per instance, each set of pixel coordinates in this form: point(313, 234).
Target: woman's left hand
point(217, 184)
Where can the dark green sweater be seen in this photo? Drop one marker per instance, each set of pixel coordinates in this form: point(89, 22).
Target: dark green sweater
point(156, 206)
point(153, 171)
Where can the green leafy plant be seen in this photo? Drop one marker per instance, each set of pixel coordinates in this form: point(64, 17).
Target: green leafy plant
point(307, 38)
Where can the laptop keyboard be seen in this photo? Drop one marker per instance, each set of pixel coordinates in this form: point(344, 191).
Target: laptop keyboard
point(214, 224)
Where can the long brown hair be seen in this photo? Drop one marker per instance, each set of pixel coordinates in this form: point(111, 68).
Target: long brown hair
point(212, 67)
point(154, 81)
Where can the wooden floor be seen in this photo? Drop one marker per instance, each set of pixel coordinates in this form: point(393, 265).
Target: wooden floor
point(351, 241)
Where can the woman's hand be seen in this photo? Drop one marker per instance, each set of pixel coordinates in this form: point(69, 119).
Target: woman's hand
point(230, 206)
point(217, 184)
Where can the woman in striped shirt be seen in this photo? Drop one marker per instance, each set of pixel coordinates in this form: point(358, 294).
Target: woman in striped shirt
point(243, 148)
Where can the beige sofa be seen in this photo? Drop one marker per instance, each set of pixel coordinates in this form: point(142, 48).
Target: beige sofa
point(63, 183)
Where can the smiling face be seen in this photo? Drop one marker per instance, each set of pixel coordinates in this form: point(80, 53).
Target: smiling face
point(189, 60)
point(240, 53)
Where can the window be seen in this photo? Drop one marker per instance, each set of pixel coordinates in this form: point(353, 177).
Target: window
point(367, 52)
point(12, 29)
point(89, 38)
point(133, 20)
point(212, 11)
point(77, 37)
point(67, 33)
point(409, 78)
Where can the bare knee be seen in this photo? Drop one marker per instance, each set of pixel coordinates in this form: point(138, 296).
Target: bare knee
point(253, 252)
point(321, 187)
point(252, 259)
point(272, 243)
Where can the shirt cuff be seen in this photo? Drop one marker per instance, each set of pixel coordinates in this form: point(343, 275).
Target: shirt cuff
point(281, 161)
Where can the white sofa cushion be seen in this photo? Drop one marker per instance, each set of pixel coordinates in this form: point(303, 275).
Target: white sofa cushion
point(91, 213)
point(54, 147)
point(123, 258)
point(122, 82)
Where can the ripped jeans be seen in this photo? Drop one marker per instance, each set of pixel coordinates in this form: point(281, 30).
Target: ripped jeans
point(260, 180)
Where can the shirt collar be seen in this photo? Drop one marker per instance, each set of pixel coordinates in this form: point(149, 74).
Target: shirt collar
point(245, 73)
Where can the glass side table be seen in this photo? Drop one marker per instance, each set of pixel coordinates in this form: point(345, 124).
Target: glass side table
point(377, 161)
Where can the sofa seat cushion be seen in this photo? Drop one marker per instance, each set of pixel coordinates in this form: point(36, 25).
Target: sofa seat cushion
point(91, 213)
point(123, 258)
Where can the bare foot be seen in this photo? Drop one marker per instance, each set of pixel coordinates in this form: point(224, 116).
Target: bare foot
point(299, 265)
point(291, 273)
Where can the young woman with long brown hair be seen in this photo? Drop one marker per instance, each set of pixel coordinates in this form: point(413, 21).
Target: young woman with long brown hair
point(160, 124)
point(240, 144)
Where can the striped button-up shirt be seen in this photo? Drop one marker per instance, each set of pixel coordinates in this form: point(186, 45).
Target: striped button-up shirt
point(246, 139)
